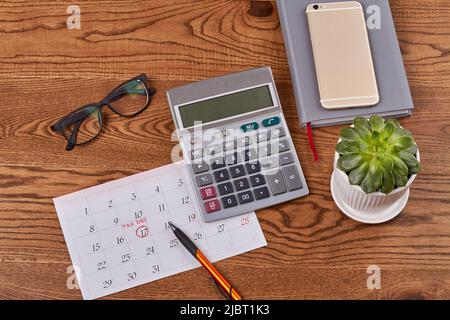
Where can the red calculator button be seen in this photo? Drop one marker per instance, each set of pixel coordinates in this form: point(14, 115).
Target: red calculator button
point(208, 192)
point(212, 205)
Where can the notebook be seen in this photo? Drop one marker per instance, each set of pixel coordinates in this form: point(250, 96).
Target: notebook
point(395, 96)
point(118, 234)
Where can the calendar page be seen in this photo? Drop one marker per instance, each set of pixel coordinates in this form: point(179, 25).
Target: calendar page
point(118, 234)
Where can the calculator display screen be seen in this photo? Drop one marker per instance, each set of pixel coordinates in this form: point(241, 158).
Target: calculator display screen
point(226, 106)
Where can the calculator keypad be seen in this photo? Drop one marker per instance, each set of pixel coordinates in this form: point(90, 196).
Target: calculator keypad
point(259, 164)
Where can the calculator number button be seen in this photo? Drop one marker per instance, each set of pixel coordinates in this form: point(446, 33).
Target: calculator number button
point(200, 167)
point(249, 155)
point(221, 175)
point(225, 188)
point(237, 171)
point(208, 192)
point(245, 197)
point(218, 163)
point(257, 180)
point(261, 193)
point(212, 205)
point(276, 182)
point(233, 158)
point(229, 201)
point(241, 184)
point(292, 178)
point(253, 167)
point(277, 133)
point(204, 179)
point(271, 122)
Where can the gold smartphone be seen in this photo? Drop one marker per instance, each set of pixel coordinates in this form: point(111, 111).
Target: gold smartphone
point(342, 56)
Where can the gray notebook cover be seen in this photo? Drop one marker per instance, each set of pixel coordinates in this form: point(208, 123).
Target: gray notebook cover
point(395, 96)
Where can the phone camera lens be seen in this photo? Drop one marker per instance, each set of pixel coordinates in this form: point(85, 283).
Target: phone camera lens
point(316, 7)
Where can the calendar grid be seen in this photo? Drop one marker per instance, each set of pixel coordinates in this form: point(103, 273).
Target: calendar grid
point(128, 209)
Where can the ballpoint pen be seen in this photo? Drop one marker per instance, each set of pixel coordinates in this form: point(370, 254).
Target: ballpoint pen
point(221, 282)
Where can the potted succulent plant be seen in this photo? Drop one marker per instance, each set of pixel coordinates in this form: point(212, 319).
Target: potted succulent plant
point(376, 161)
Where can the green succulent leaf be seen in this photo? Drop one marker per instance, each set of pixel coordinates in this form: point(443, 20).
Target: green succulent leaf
point(351, 161)
point(364, 133)
point(412, 149)
point(399, 166)
point(388, 131)
point(349, 134)
point(377, 123)
point(394, 122)
point(374, 177)
point(388, 183)
point(403, 142)
point(347, 147)
point(356, 176)
point(377, 154)
point(387, 163)
point(361, 122)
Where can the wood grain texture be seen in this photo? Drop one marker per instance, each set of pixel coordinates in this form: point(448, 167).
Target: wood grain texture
point(313, 251)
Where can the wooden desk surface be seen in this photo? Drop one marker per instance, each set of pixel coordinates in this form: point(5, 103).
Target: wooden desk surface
point(313, 250)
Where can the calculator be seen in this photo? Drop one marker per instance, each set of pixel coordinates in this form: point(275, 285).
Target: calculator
point(236, 144)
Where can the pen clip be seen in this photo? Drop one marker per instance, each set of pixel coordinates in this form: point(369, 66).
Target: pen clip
point(223, 292)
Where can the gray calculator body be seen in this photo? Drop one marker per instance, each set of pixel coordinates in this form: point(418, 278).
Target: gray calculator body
point(241, 158)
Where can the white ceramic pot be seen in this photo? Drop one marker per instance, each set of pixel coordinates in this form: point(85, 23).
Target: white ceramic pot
point(375, 207)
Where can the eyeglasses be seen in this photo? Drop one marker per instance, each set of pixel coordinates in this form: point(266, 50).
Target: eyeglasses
point(85, 124)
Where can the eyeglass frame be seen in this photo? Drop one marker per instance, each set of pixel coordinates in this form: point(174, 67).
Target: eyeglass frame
point(111, 97)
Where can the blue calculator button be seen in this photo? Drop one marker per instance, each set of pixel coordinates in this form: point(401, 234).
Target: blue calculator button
point(250, 126)
point(271, 121)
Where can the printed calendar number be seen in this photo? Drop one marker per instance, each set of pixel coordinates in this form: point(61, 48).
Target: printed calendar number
point(138, 214)
point(101, 265)
point(131, 276)
point(192, 217)
point(173, 243)
point(133, 196)
point(107, 284)
point(126, 257)
point(198, 236)
point(110, 203)
point(120, 240)
point(96, 247)
point(245, 220)
point(155, 268)
point(149, 251)
point(185, 200)
point(221, 227)
point(167, 225)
